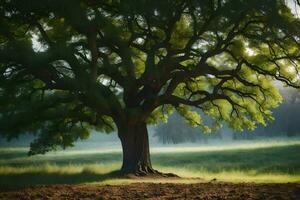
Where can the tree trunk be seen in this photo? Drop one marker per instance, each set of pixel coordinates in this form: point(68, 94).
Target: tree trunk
point(135, 145)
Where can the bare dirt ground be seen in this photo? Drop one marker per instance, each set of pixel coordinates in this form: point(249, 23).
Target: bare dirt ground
point(210, 190)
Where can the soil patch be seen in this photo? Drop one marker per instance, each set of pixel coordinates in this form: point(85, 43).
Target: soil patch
point(210, 190)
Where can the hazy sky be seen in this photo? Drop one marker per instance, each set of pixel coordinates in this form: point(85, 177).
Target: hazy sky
point(294, 7)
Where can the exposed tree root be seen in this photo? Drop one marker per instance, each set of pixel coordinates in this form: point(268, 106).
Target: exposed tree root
point(146, 171)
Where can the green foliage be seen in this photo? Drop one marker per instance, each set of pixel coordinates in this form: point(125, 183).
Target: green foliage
point(160, 114)
point(57, 134)
point(182, 33)
point(67, 67)
point(286, 119)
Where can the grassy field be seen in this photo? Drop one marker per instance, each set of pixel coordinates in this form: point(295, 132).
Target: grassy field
point(259, 162)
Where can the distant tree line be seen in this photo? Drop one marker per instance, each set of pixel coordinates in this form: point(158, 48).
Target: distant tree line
point(178, 131)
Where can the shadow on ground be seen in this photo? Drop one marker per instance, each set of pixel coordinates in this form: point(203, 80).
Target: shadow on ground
point(16, 181)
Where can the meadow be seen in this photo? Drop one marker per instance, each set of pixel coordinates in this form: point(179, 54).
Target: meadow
point(262, 162)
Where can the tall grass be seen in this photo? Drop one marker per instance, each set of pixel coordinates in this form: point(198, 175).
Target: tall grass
point(278, 162)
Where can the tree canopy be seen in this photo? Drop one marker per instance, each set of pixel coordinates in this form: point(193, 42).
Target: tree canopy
point(285, 124)
point(68, 66)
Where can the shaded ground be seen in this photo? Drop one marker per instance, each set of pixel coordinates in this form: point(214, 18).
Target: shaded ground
point(211, 190)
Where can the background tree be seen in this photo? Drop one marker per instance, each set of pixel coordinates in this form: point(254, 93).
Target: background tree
point(178, 131)
point(69, 66)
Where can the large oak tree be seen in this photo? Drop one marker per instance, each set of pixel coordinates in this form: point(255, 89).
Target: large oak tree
point(70, 66)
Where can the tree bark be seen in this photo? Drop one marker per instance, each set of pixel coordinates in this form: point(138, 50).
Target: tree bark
point(135, 145)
